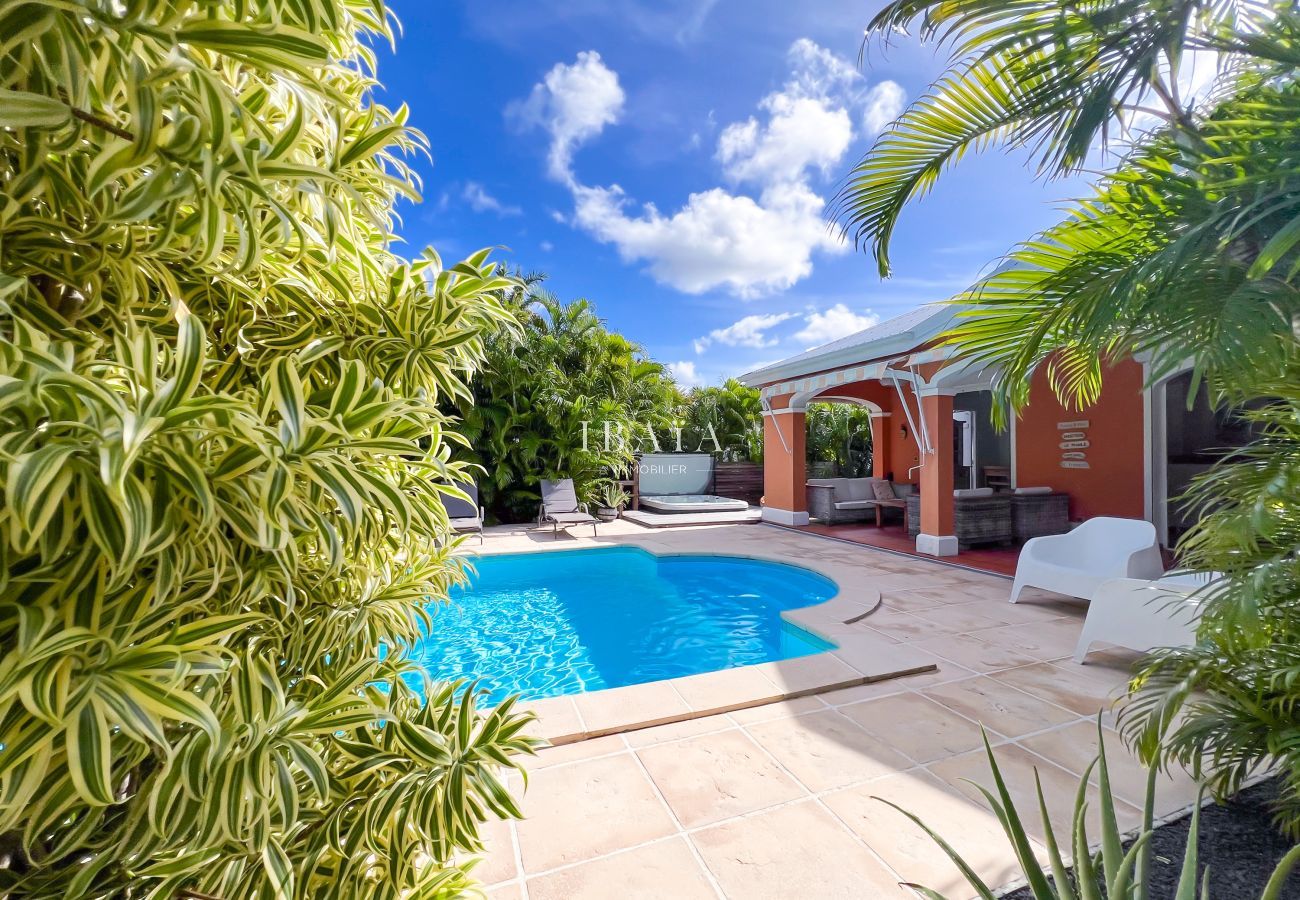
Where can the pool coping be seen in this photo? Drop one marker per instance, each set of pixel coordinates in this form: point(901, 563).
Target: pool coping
point(859, 657)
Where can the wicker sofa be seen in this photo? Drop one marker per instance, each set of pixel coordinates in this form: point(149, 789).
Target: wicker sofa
point(834, 501)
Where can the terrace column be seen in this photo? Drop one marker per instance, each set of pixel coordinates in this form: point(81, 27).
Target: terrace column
point(937, 537)
point(881, 462)
point(785, 499)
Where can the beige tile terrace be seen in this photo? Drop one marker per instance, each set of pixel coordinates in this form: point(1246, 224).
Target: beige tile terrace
point(779, 799)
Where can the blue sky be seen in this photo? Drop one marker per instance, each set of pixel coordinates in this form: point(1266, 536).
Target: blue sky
point(670, 161)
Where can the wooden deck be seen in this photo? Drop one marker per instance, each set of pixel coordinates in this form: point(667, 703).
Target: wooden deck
point(996, 560)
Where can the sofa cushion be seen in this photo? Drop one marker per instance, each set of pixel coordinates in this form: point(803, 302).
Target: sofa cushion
point(884, 490)
point(973, 492)
point(855, 504)
point(1032, 491)
point(860, 489)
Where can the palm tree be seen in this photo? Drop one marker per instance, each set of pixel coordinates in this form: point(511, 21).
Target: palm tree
point(1057, 78)
point(1186, 251)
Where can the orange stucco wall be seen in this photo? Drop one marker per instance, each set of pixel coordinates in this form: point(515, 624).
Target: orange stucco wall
point(899, 452)
point(936, 474)
point(1114, 483)
point(784, 473)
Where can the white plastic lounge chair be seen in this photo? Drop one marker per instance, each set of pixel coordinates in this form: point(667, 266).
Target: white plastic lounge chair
point(1143, 615)
point(466, 516)
point(1080, 561)
point(561, 508)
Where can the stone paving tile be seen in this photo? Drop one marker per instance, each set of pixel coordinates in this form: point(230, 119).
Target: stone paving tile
point(799, 850)
point(971, 828)
point(999, 707)
point(728, 689)
point(564, 753)
point(861, 692)
point(785, 709)
point(904, 626)
point(1067, 685)
point(557, 719)
point(1042, 640)
point(806, 673)
point(826, 750)
point(1075, 747)
point(498, 857)
point(675, 731)
point(652, 872)
point(611, 710)
point(973, 653)
point(923, 730)
point(716, 776)
point(1018, 767)
point(585, 809)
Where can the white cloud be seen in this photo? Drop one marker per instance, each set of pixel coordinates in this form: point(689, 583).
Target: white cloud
point(684, 374)
point(749, 243)
point(717, 239)
point(884, 103)
point(836, 322)
point(480, 200)
point(751, 331)
point(817, 72)
point(800, 133)
point(573, 103)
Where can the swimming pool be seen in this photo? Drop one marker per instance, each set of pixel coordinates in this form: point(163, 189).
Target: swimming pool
point(568, 621)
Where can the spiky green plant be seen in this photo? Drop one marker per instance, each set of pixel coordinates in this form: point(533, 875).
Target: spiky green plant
point(1110, 871)
point(222, 462)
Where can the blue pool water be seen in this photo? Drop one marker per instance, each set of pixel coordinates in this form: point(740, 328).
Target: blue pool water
point(564, 622)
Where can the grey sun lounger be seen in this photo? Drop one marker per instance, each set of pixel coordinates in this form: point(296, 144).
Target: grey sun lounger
point(560, 506)
point(466, 517)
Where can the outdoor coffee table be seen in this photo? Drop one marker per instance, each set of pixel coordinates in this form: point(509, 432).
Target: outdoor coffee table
point(898, 503)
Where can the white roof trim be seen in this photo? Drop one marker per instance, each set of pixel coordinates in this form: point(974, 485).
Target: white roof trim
point(890, 338)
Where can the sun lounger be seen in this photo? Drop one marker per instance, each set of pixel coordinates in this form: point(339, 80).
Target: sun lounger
point(466, 516)
point(560, 506)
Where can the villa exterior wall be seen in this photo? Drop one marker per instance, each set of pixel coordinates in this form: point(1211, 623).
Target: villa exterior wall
point(1114, 484)
point(904, 453)
point(784, 467)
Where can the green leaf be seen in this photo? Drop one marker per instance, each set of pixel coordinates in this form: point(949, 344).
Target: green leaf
point(90, 754)
point(23, 109)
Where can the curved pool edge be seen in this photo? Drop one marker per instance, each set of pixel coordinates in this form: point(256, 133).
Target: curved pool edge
point(821, 619)
point(859, 656)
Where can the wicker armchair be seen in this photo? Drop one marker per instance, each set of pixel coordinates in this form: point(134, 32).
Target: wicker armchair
point(1035, 515)
point(976, 520)
point(982, 520)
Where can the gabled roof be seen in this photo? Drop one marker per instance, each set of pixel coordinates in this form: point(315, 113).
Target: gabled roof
point(898, 335)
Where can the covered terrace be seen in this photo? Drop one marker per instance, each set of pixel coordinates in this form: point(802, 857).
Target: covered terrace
point(933, 443)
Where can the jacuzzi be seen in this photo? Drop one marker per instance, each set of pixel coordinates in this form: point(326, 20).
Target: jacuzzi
point(691, 503)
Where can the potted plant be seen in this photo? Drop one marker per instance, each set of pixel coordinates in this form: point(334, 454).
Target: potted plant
point(610, 500)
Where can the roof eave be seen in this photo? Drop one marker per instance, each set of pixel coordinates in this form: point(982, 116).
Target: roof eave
point(850, 356)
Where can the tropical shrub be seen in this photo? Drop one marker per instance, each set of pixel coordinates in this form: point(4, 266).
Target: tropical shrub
point(560, 396)
point(1187, 253)
point(732, 413)
point(839, 434)
point(1111, 871)
point(222, 460)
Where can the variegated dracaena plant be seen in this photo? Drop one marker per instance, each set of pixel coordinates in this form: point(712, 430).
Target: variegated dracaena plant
point(222, 462)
